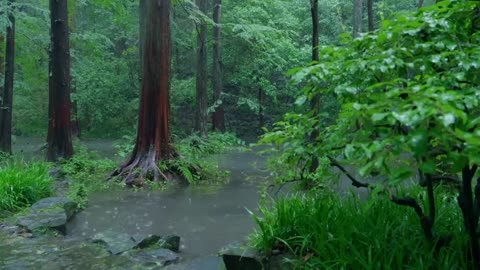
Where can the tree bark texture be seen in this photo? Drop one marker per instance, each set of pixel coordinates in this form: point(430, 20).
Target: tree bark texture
point(371, 25)
point(59, 137)
point(315, 102)
point(357, 18)
point(153, 138)
point(201, 76)
point(217, 74)
point(142, 14)
point(7, 91)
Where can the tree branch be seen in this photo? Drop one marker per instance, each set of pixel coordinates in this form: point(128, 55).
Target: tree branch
point(355, 182)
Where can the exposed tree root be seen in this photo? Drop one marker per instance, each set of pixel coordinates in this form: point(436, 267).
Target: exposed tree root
point(141, 167)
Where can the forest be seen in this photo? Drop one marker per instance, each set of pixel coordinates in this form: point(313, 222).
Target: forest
point(253, 134)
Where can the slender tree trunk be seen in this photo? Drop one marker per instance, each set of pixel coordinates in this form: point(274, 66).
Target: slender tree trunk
point(371, 26)
point(153, 138)
point(357, 18)
point(201, 76)
point(315, 102)
point(75, 121)
point(217, 74)
point(420, 4)
point(7, 93)
point(466, 203)
point(260, 108)
point(59, 138)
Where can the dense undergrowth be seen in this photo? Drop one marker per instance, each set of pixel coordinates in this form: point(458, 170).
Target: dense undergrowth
point(325, 231)
point(407, 108)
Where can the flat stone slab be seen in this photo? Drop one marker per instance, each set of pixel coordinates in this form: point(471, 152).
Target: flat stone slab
point(115, 242)
point(57, 202)
point(51, 218)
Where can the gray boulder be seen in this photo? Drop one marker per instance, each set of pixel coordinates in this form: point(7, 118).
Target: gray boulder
point(238, 256)
point(48, 213)
point(57, 202)
point(171, 242)
point(115, 242)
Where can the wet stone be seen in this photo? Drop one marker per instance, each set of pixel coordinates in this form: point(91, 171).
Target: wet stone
point(115, 242)
point(48, 213)
point(202, 263)
point(142, 241)
point(57, 202)
point(154, 258)
point(171, 242)
point(51, 218)
point(238, 256)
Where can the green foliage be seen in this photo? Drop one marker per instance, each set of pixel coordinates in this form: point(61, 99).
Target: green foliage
point(194, 162)
point(22, 184)
point(88, 172)
point(325, 231)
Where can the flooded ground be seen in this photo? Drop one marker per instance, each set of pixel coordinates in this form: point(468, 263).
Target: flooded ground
point(205, 217)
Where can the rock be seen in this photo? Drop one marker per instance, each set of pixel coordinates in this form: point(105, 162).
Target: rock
point(142, 241)
point(154, 258)
point(48, 218)
point(202, 263)
point(238, 256)
point(115, 242)
point(171, 242)
point(56, 173)
point(66, 204)
point(278, 262)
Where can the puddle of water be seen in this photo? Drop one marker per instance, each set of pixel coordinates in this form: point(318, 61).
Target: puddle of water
point(206, 218)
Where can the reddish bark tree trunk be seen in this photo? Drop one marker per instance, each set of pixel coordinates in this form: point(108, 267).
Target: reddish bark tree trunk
point(59, 138)
point(153, 139)
point(201, 76)
point(217, 80)
point(7, 93)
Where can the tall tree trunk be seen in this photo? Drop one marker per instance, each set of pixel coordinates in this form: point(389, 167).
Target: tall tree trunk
point(7, 93)
point(201, 76)
point(142, 13)
point(59, 138)
point(315, 102)
point(75, 121)
point(357, 18)
point(153, 139)
point(217, 74)
point(420, 4)
point(371, 26)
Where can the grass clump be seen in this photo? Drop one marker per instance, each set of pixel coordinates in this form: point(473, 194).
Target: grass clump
point(324, 231)
point(22, 184)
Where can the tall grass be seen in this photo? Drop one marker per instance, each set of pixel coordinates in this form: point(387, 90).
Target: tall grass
point(22, 184)
point(324, 231)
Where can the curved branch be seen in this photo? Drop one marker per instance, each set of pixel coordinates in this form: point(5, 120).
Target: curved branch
point(355, 182)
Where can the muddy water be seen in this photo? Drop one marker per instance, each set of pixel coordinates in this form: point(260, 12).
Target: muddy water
point(206, 217)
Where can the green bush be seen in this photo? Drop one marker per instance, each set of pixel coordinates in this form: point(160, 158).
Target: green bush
point(88, 172)
point(22, 184)
point(325, 231)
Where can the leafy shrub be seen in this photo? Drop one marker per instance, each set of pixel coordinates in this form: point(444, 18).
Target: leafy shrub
point(22, 184)
point(88, 171)
point(325, 231)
